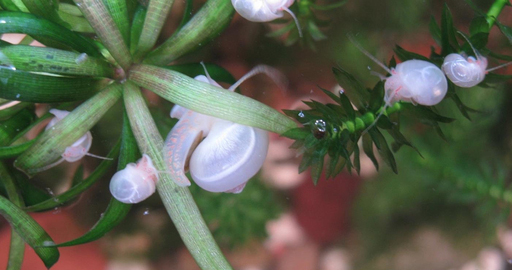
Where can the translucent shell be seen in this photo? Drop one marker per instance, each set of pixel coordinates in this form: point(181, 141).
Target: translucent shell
point(136, 182)
point(416, 81)
point(465, 71)
point(261, 10)
point(228, 156)
point(78, 149)
point(225, 160)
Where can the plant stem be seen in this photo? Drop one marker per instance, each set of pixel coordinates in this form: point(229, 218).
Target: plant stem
point(494, 11)
point(177, 200)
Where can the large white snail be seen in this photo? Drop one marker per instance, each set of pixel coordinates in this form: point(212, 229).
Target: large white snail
point(77, 150)
point(136, 182)
point(264, 10)
point(467, 71)
point(230, 153)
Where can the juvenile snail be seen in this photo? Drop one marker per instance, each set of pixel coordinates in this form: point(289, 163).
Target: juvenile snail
point(77, 150)
point(229, 155)
point(264, 10)
point(416, 81)
point(467, 71)
point(136, 182)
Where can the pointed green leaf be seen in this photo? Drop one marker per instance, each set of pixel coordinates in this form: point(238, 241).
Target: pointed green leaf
point(31, 87)
point(355, 91)
point(30, 231)
point(118, 9)
point(10, 128)
point(384, 151)
point(506, 30)
point(12, 110)
point(16, 22)
point(156, 13)
point(211, 19)
point(187, 14)
point(136, 29)
point(368, 149)
point(101, 21)
point(435, 31)
point(448, 33)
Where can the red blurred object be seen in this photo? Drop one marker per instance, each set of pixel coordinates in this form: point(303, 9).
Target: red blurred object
point(61, 227)
point(323, 210)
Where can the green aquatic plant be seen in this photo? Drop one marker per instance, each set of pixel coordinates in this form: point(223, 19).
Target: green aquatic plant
point(124, 56)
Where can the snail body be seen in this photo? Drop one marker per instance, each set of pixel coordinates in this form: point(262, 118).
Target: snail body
point(265, 10)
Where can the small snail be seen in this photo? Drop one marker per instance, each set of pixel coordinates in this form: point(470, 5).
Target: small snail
point(229, 155)
point(77, 150)
point(467, 71)
point(264, 10)
point(136, 182)
point(416, 81)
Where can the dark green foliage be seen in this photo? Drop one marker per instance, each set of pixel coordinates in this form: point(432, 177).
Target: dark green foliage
point(309, 23)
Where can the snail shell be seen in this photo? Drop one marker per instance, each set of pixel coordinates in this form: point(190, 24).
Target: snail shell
point(416, 81)
point(136, 182)
point(465, 71)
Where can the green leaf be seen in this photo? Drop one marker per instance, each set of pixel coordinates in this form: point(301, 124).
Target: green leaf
point(217, 72)
point(377, 97)
point(156, 14)
point(10, 111)
point(8, 5)
point(82, 186)
point(355, 91)
point(30, 231)
point(49, 60)
point(479, 41)
point(281, 31)
point(137, 23)
point(15, 150)
point(77, 24)
point(426, 113)
point(118, 9)
point(478, 25)
point(10, 128)
point(31, 87)
point(317, 164)
point(315, 33)
point(506, 30)
point(212, 18)
point(208, 99)
point(368, 149)
point(53, 142)
point(435, 31)
point(103, 24)
point(405, 55)
point(46, 9)
point(23, 23)
point(384, 151)
point(448, 33)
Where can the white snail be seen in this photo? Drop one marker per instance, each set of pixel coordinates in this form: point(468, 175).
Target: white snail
point(467, 71)
point(136, 182)
point(416, 81)
point(77, 150)
point(229, 155)
point(264, 10)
